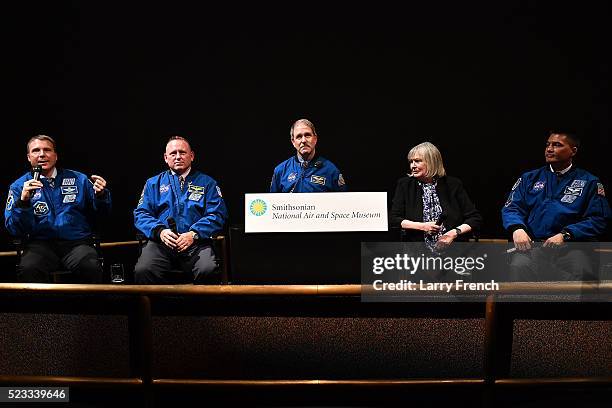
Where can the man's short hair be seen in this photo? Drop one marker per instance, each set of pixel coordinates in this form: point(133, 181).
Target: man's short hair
point(432, 157)
point(40, 137)
point(305, 122)
point(569, 133)
point(179, 138)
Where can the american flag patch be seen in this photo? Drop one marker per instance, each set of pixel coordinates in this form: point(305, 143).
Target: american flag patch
point(600, 190)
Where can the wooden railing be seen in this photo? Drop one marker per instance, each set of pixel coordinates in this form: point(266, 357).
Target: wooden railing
point(498, 318)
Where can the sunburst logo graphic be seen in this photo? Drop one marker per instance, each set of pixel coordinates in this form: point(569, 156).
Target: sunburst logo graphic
point(258, 207)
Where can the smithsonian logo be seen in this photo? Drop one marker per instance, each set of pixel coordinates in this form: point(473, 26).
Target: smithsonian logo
point(258, 207)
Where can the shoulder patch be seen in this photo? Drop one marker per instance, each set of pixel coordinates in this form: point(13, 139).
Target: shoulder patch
point(141, 200)
point(10, 201)
point(600, 190)
point(341, 180)
point(510, 198)
point(219, 191)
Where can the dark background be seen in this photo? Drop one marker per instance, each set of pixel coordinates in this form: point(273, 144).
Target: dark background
point(112, 82)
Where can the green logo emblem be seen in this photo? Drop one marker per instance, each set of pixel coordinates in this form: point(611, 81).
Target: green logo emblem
point(258, 207)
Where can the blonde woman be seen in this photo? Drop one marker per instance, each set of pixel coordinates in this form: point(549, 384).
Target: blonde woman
point(431, 206)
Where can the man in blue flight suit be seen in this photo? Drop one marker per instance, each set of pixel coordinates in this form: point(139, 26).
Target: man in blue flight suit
point(179, 211)
point(556, 204)
point(55, 215)
point(306, 172)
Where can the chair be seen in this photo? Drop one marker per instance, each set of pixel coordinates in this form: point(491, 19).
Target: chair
point(61, 275)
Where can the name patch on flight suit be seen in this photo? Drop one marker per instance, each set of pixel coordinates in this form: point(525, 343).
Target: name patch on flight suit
point(317, 180)
point(568, 198)
point(70, 190)
point(578, 183)
point(68, 181)
point(69, 198)
point(195, 196)
point(191, 188)
point(575, 191)
point(41, 208)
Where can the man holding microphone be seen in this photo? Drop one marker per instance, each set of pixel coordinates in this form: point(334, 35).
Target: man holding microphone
point(54, 211)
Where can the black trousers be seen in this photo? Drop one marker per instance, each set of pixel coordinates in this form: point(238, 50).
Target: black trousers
point(41, 258)
point(158, 265)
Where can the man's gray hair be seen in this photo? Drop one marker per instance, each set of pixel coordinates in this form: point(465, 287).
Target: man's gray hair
point(304, 122)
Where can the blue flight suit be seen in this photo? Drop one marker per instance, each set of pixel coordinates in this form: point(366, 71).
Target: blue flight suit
point(317, 176)
point(545, 204)
point(57, 224)
point(199, 207)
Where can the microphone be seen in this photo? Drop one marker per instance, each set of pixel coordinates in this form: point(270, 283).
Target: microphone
point(36, 172)
point(172, 225)
point(441, 219)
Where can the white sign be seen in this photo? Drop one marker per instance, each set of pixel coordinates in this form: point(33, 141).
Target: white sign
point(315, 212)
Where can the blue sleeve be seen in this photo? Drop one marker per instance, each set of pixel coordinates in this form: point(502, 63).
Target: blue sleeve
point(144, 214)
point(215, 213)
point(515, 211)
point(101, 204)
point(19, 221)
point(275, 186)
point(596, 214)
